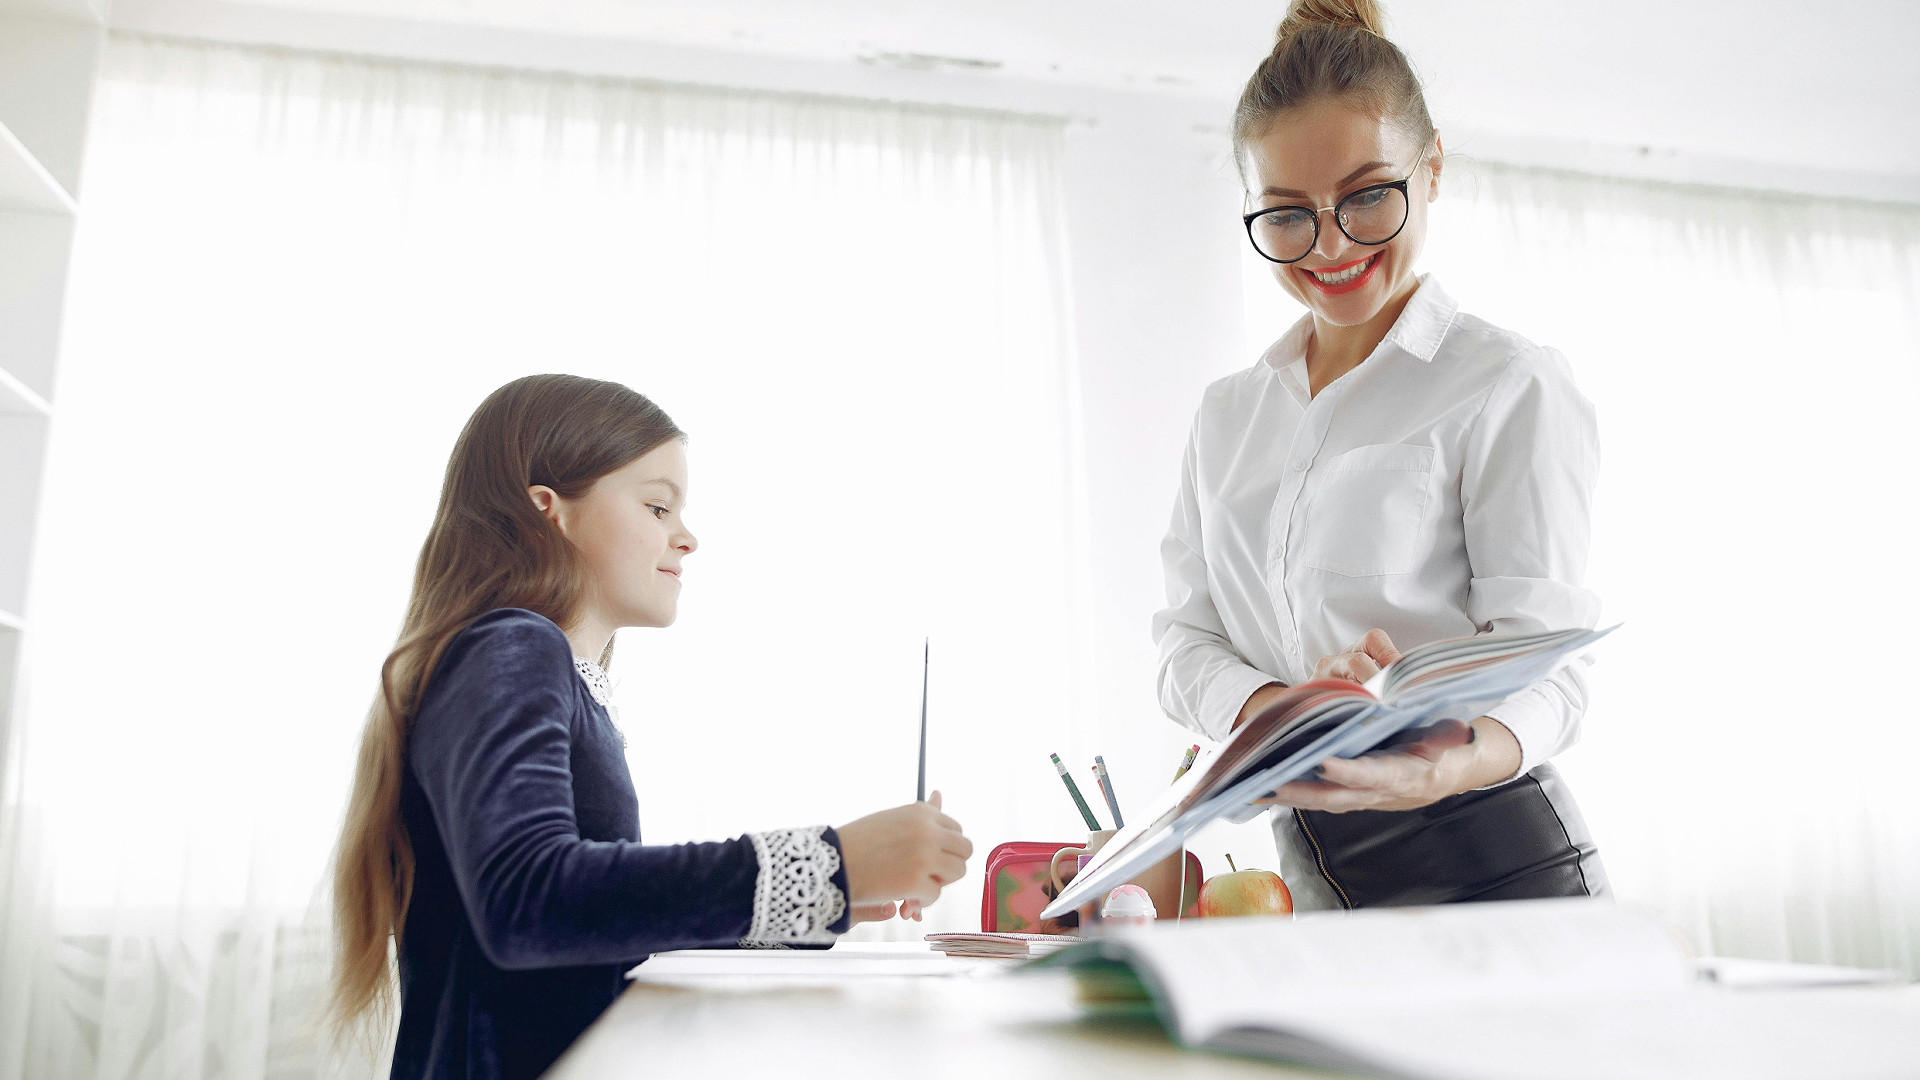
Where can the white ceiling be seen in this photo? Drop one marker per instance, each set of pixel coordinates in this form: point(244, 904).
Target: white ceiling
point(1766, 81)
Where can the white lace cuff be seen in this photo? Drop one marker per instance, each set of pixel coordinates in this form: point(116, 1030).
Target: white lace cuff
point(794, 898)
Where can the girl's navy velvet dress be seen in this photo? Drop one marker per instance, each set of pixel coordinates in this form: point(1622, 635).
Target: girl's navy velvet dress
point(532, 893)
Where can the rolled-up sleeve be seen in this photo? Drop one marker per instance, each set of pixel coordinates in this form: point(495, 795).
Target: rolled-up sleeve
point(1203, 681)
point(1526, 489)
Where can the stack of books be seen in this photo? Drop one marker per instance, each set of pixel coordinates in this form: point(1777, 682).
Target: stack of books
point(1000, 946)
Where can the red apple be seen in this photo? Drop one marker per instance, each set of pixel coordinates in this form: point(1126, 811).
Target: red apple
point(1244, 892)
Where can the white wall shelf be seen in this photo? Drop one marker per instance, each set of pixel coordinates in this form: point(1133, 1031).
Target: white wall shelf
point(35, 253)
point(49, 58)
point(25, 184)
point(85, 11)
point(19, 399)
point(47, 68)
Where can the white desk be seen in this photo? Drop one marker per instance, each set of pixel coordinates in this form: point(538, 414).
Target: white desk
point(901, 1013)
point(812, 1014)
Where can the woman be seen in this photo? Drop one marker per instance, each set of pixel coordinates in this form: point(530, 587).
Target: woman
point(1393, 471)
point(494, 830)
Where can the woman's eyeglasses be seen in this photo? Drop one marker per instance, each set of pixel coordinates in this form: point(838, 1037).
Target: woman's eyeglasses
point(1373, 215)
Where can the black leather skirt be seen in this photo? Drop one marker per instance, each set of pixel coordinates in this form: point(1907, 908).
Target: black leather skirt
point(1520, 841)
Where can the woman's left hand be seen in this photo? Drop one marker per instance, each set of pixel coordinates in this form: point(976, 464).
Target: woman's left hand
point(1445, 759)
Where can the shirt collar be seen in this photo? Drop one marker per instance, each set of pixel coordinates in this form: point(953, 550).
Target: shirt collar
point(1287, 358)
point(1424, 321)
point(1418, 331)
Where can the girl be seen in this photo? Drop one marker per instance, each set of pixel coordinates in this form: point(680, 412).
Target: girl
point(1393, 470)
point(493, 829)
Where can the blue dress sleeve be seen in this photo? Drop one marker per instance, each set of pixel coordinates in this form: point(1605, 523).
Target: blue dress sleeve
point(491, 750)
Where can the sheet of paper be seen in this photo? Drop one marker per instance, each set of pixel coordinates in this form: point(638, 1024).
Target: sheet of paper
point(845, 958)
point(1227, 973)
point(1688, 1033)
point(1740, 973)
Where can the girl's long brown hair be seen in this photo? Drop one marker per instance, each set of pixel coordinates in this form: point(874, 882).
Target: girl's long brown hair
point(489, 547)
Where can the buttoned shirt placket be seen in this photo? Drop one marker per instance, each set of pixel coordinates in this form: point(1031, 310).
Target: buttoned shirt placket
point(1316, 419)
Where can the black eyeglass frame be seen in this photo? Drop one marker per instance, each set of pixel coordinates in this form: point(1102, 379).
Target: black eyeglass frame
point(1398, 185)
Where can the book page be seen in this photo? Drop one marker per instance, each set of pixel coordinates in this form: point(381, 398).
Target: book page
point(1438, 660)
point(1681, 1033)
point(1229, 973)
point(1500, 666)
point(1294, 710)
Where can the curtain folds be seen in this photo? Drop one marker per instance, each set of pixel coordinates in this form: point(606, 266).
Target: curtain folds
point(1753, 359)
point(296, 277)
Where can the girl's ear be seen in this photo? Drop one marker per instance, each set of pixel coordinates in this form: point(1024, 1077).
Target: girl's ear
point(547, 501)
point(1437, 160)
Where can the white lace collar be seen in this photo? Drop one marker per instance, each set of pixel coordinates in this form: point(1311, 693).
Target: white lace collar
point(595, 679)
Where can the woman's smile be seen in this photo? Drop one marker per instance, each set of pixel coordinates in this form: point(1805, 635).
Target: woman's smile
point(1344, 278)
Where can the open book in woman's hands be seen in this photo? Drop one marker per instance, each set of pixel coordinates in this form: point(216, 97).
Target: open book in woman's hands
point(1458, 679)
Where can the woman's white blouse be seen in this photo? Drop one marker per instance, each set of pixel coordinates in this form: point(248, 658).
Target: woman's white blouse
point(1440, 489)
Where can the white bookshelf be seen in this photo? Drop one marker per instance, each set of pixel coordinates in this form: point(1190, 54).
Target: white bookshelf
point(19, 399)
point(49, 58)
point(80, 11)
point(25, 184)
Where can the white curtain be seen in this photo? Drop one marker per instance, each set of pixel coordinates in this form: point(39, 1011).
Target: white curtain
point(298, 274)
point(1747, 763)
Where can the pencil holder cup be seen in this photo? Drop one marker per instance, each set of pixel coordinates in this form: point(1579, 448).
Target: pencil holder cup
point(1095, 841)
point(1173, 882)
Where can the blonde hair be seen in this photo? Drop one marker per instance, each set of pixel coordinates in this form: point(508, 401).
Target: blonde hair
point(1337, 49)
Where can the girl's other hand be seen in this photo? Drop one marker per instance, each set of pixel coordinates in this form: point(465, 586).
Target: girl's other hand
point(910, 852)
point(1359, 661)
point(872, 912)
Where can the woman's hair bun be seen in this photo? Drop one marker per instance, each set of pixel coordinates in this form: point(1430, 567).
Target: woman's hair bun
point(1301, 14)
point(1334, 49)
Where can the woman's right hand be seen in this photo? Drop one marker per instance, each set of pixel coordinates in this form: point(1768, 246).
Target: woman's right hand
point(1359, 661)
point(907, 853)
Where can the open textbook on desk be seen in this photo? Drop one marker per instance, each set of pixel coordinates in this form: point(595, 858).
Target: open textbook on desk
point(1457, 679)
point(1566, 989)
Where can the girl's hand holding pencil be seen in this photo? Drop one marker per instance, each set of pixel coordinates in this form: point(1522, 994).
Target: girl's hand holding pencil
point(908, 853)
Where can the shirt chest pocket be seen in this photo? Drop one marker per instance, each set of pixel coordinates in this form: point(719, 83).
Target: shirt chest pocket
point(1366, 510)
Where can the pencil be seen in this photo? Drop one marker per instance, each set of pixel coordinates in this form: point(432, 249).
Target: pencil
point(1073, 789)
point(1187, 762)
point(926, 654)
point(1106, 788)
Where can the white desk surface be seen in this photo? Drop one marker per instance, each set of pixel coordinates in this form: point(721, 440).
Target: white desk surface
point(891, 1010)
point(897, 1011)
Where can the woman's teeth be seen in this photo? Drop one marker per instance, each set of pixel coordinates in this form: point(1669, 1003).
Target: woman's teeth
point(1346, 275)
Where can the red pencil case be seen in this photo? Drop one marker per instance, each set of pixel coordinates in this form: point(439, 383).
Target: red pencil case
point(1017, 885)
